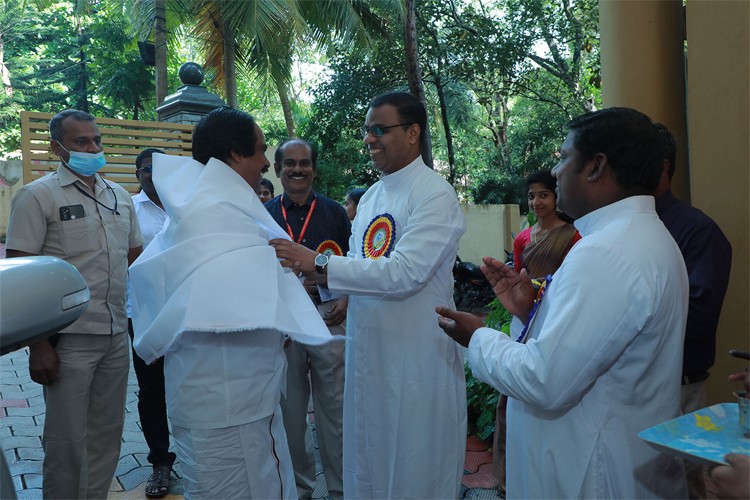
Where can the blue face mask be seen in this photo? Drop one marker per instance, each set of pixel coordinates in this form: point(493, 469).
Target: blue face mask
point(86, 164)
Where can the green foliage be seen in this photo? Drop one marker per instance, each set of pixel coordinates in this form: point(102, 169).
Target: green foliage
point(481, 398)
point(495, 186)
point(57, 60)
point(502, 77)
point(498, 317)
point(481, 401)
point(124, 86)
point(40, 49)
point(334, 128)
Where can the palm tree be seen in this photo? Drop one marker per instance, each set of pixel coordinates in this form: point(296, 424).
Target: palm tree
point(266, 33)
point(162, 18)
point(160, 50)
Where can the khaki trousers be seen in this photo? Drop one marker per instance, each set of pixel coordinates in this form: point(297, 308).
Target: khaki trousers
point(85, 413)
point(325, 366)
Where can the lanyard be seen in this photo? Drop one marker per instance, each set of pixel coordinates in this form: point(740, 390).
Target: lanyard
point(537, 301)
point(84, 193)
point(304, 226)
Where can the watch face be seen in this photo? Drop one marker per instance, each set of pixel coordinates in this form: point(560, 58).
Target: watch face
point(321, 260)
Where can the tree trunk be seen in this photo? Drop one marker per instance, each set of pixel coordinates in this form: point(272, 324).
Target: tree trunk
point(230, 67)
point(414, 73)
point(4, 73)
point(160, 49)
point(136, 105)
point(82, 85)
point(287, 108)
point(446, 124)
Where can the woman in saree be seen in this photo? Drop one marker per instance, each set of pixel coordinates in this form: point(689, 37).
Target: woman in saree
point(540, 249)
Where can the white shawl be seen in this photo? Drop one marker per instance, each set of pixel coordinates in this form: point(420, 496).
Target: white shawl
point(211, 269)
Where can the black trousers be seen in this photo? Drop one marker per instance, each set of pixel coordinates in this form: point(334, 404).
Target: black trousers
point(152, 407)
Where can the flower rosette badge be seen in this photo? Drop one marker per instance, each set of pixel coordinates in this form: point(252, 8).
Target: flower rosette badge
point(379, 237)
point(329, 247)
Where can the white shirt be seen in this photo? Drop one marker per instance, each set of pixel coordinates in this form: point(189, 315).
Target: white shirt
point(151, 218)
point(602, 363)
point(405, 393)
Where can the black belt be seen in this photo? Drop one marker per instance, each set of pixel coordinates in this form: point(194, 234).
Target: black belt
point(694, 378)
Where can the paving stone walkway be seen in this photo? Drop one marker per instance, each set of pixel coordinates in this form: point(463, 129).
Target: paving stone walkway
point(22, 421)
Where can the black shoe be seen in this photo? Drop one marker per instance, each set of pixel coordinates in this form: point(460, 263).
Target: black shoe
point(157, 485)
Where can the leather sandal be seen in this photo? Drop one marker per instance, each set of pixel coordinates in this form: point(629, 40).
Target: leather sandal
point(157, 485)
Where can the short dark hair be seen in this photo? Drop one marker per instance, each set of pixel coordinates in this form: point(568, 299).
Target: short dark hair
point(146, 153)
point(222, 132)
point(543, 177)
point(410, 109)
point(56, 123)
point(670, 147)
point(279, 153)
point(355, 194)
point(630, 141)
point(268, 184)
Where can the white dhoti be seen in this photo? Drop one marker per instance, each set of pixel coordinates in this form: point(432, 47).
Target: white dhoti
point(210, 296)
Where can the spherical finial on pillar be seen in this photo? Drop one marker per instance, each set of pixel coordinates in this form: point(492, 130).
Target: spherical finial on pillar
point(191, 74)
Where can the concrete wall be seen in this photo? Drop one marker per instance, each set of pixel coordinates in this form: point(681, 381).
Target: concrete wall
point(10, 181)
point(489, 229)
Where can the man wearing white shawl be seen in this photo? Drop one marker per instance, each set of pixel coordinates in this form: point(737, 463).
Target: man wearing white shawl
point(198, 302)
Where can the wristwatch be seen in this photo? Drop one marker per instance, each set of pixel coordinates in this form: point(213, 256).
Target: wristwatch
point(321, 261)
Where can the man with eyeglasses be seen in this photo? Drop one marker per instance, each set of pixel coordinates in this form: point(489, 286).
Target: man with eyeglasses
point(319, 223)
point(405, 393)
point(76, 215)
point(152, 407)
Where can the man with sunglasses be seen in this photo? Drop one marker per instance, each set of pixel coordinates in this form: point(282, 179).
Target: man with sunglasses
point(76, 215)
point(152, 407)
point(405, 393)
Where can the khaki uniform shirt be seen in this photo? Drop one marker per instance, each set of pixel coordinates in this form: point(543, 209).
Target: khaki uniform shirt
point(51, 217)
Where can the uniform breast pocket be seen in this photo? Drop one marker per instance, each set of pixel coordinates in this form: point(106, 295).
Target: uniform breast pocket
point(80, 235)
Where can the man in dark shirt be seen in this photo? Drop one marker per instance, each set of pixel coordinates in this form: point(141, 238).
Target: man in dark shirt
point(708, 258)
point(320, 224)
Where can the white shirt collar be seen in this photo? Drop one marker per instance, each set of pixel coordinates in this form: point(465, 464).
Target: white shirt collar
point(595, 220)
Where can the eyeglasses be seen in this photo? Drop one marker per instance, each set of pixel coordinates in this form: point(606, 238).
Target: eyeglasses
point(146, 169)
point(379, 130)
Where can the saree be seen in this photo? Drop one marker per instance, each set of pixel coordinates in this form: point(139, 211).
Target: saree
point(546, 255)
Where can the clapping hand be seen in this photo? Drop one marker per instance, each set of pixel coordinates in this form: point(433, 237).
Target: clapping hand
point(460, 326)
point(514, 290)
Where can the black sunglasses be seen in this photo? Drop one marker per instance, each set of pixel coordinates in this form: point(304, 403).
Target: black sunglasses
point(379, 130)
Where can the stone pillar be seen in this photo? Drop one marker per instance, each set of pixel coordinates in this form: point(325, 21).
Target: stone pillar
point(643, 67)
point(192, 101)
point(719, 105)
